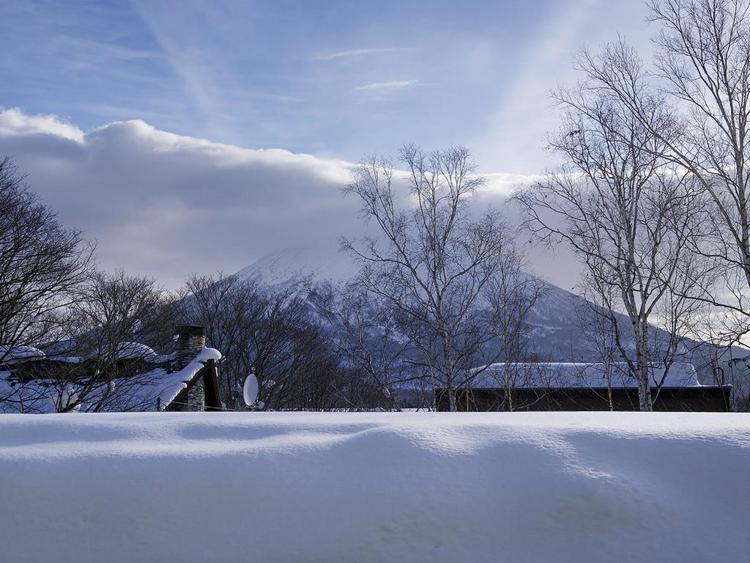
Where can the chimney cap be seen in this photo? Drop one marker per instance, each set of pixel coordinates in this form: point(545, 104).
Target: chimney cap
point(190, 330)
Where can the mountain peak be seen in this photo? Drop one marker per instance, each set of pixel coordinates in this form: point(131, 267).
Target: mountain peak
point(321, 263)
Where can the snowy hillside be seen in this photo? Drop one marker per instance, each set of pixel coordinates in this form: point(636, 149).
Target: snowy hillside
point(281, 487)
point(326, 263)
point(556, 319)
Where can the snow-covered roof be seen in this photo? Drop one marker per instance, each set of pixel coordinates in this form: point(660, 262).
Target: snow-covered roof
point(125, 351)
point(14, 354)
point(169, 386)
point(579, 375)
point(134, 351)
point(133, 393)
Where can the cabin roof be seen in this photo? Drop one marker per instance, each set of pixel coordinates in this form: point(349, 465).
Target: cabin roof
point(135, 392)
point(14, 354)
point(578, 375)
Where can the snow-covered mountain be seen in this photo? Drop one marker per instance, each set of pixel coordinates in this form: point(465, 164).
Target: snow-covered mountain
point(557, 320)
point(321, 264)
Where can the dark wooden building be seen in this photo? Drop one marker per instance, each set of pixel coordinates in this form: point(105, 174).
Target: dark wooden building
point(583, 387)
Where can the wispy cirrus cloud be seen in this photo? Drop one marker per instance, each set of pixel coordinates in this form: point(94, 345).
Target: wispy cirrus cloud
point(99, 51)
point(384, 86)
point(525, 114)
point(350, 53)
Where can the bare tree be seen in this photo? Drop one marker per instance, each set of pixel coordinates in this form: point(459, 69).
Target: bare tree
point(628, 216)
point(267, 331)
point(229, 308)
point(41, 262)
point(113, 309)
point(703, 72)
point(287, 349)
point(511, 295)
point(432, 262)
point(112, 326)
point(367, 334)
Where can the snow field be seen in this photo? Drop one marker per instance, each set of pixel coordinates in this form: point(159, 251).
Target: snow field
point(273, 487)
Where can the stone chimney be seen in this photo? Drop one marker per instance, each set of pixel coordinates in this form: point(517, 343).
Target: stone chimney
point(191, 339)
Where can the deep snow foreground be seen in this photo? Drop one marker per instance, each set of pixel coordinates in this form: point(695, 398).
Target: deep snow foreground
point(374, 487)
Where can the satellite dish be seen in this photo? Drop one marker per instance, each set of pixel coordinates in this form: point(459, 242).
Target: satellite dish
point(250, 390)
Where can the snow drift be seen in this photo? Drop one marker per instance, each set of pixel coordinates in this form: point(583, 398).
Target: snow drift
point(375, 487)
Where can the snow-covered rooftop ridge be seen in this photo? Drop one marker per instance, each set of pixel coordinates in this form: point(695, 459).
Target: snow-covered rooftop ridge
point(12, 354)
point(579, 375)
point(134, 351)
point(438, 487)
point(125, 351)
point(139, 351)
point(171, 384)
point(140, 392)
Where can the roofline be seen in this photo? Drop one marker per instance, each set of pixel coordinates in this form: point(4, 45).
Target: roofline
point(727, 386)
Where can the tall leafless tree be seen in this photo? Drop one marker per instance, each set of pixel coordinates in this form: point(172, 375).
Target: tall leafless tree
point(367, 335)
point(41, 263)
point(629, 217)
point(511, 295)
point(228, 307)
point(112, 309)
point(432, 262)
point(113, 326)
point(703, 74)
point(596, 322)
point(266, 331)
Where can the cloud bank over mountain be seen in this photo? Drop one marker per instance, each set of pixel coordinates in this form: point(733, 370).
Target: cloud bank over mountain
point(169, 205)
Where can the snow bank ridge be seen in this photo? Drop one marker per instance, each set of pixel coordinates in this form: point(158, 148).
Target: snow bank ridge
point(278, 487)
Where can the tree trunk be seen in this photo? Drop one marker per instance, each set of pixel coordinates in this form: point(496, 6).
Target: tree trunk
point(509, 397)
point(452, 406)
point(644, 393)
point(642, 358)
point(644, 386)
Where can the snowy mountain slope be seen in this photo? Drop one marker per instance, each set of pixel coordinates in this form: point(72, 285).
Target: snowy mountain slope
point(327, 263)
point(559, 320)
point(281, 487)
point(556, 320)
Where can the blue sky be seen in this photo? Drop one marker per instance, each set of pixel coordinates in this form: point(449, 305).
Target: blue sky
point(330, 78)
point(136, 120)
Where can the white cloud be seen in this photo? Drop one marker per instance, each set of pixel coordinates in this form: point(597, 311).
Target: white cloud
point(168, 205)
point(15, 122)
point(505, 184)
